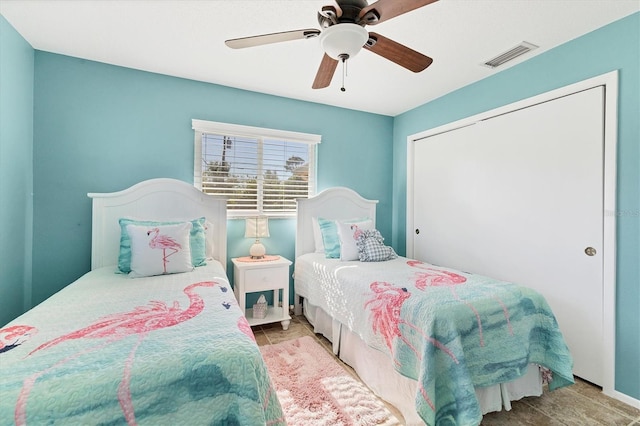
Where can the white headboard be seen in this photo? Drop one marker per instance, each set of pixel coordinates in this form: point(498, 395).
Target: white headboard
point(333, 203)
point(154, 199)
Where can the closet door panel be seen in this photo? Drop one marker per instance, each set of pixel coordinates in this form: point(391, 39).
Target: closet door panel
point(519, 197)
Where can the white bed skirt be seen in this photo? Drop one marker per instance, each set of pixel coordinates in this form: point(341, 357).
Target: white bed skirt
point(374, 369)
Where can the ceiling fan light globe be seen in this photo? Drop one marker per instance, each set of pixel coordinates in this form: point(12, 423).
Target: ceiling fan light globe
point(343, 39)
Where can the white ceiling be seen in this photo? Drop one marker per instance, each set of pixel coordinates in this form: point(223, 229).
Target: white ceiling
point(185, 38)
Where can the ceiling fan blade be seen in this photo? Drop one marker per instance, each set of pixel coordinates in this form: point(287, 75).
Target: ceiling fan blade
point(259, 40)
point(383, 10)
point(398, 53)
point(325, 72)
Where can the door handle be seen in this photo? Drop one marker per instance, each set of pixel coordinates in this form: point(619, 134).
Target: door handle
point(590, 251)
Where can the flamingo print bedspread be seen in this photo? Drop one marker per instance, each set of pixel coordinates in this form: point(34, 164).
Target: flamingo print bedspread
point(108, 349)
point(449, 330)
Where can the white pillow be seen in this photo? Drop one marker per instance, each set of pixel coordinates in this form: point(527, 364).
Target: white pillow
point(348, 233)
point(162, 249)
point(317, 235)
point(209, 235)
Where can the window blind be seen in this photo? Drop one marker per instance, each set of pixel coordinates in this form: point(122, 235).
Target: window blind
point(257, 171)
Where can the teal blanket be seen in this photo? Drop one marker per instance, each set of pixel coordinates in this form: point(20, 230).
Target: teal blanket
point(474, 331)
point(109, 349)
point(451, 331)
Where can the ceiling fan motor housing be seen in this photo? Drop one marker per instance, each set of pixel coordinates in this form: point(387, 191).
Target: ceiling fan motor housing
point(347, 11)
point(351, 9)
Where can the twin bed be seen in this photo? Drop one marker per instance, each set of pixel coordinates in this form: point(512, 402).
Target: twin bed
point(443, 346)
point(162, 349)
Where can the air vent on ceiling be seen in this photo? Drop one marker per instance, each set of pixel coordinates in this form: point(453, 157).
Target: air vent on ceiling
point(510, 54)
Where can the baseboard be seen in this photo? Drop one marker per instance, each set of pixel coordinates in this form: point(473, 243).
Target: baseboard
point(624, 398)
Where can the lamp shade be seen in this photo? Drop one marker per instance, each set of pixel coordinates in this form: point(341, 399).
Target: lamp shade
point(256, 227)
point(343, 39)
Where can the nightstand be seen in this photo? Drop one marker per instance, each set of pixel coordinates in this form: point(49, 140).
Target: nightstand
point(252, 276)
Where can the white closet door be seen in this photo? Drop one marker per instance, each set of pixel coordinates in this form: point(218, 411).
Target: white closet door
point(519, 197)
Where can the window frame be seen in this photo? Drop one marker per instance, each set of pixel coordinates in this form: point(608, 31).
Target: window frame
point(201, 127)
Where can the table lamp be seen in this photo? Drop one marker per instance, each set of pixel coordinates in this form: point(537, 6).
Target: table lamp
point(257, 227)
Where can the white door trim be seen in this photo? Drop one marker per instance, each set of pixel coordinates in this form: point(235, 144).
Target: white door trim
point(610, 83)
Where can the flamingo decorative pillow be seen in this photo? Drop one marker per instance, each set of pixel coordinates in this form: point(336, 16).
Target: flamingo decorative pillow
point(348, 234)
point(158, 250)
point(197, 241)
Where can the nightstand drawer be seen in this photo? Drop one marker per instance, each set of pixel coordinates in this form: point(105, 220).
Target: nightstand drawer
point(266, 279)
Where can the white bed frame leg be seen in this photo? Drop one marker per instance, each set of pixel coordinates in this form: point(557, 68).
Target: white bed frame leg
point(297, 306)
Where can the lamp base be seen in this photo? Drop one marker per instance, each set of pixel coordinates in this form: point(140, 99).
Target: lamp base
point(257, 250)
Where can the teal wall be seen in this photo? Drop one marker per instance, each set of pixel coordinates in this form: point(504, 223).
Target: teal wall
point(613, 47)
point(101, 128)
point(16, 171)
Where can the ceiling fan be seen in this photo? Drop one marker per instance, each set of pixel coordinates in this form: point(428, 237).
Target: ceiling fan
point(343, 35)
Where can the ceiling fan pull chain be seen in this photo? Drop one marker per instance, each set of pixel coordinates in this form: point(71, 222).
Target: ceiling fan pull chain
point(344, 72)
point(344, 58)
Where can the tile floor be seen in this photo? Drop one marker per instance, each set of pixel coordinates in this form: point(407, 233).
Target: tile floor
point(581, 404)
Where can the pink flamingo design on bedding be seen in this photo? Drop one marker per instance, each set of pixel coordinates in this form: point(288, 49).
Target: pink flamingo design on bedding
point(435, 277)
point(385, 305)
point(243, 325)
point(163, 242)
point(14, 336)
point(140, 321)
point(438, 277)
point(356, 231)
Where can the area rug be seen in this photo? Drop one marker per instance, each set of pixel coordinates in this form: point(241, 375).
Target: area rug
point(315, 390)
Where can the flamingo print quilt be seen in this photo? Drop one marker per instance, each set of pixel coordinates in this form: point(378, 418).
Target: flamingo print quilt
point(449, 330)
point(108, 349)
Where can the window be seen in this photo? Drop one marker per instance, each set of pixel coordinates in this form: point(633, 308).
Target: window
point(259, 171)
